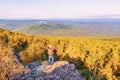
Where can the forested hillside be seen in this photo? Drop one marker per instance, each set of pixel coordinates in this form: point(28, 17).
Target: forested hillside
point(95, 58)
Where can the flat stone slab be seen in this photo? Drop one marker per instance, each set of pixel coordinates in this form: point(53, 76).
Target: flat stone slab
point(60, 70)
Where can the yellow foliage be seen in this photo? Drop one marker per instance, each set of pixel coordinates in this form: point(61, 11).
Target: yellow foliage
point(99, 55)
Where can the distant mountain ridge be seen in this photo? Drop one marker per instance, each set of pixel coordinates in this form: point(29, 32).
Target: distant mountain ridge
point(14, 24)
point(65, 27)
point(72, 29)
point(45, 28)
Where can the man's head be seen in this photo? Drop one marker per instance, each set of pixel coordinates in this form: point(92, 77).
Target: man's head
point(50, 46)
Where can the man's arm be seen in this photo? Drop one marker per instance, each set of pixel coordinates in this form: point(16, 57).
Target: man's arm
point(55, 47)
point(44, 47)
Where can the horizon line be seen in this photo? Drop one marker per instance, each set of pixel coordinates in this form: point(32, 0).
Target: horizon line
point(58, 18)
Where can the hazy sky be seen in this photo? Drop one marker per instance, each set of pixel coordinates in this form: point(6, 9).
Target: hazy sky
point(59, 8)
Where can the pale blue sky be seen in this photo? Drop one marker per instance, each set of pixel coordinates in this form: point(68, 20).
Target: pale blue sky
point(15, 9)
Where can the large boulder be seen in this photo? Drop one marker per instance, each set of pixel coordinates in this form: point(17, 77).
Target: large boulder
point(60, 70)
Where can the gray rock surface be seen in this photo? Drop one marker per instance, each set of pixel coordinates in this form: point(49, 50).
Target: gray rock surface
point(60, 70)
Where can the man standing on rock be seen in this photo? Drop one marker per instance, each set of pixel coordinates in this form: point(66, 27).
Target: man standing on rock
point(50, 50)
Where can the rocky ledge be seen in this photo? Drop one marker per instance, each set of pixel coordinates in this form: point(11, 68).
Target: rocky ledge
point(60, 70)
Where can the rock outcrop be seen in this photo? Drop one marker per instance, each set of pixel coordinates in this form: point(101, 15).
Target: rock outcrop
point(60, 70)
